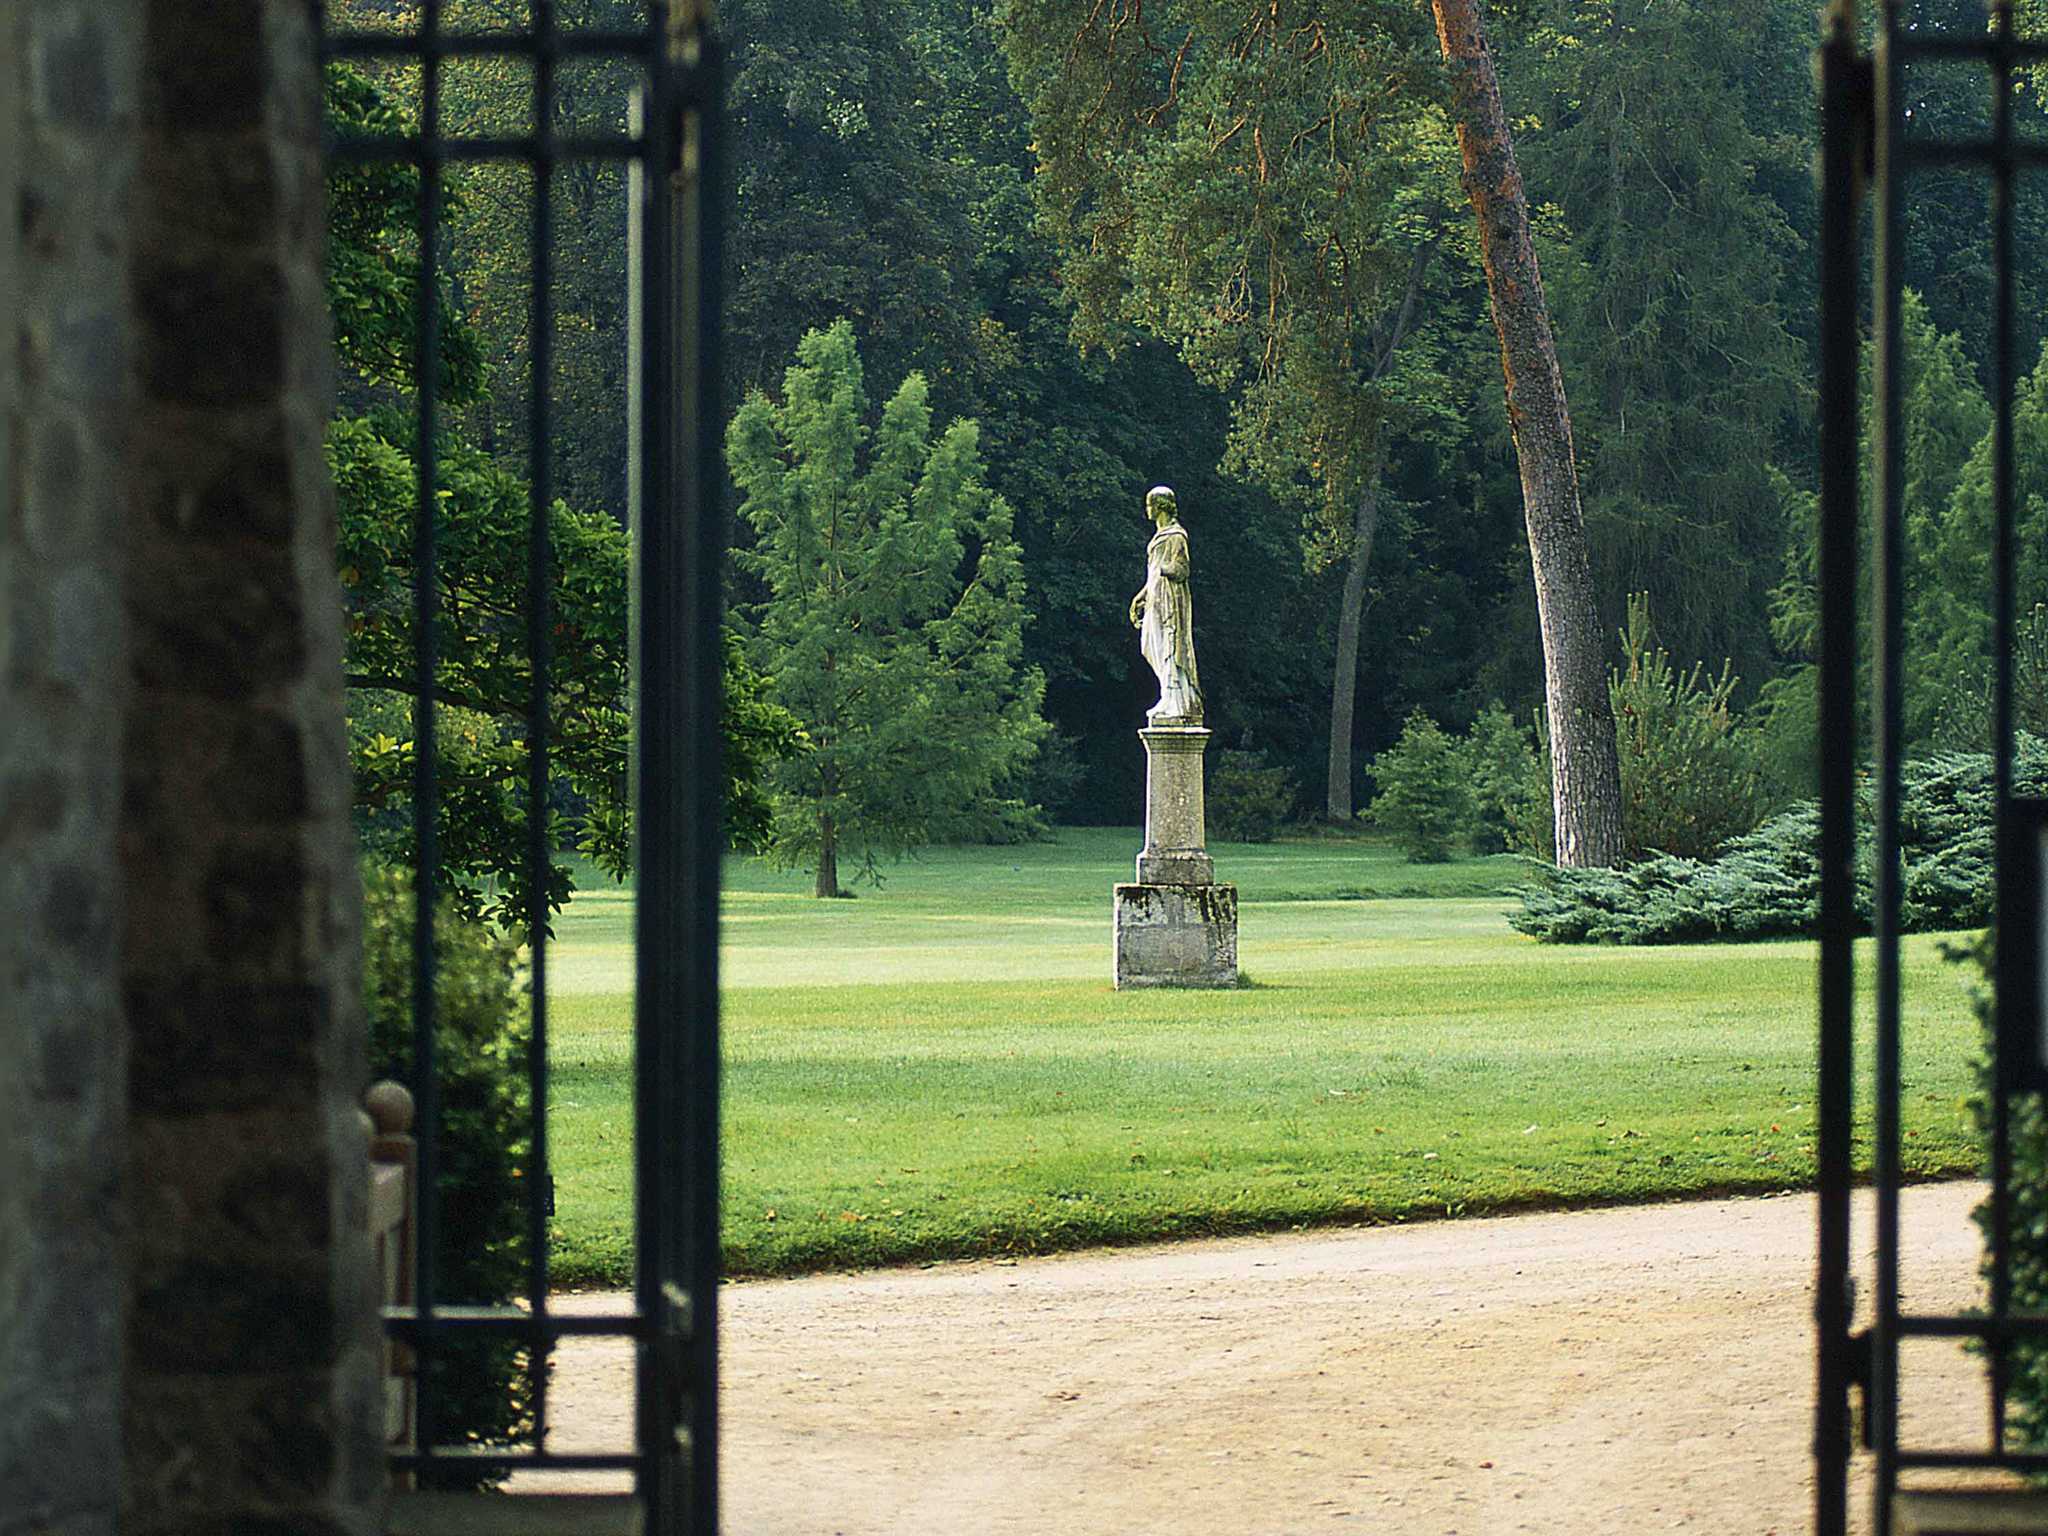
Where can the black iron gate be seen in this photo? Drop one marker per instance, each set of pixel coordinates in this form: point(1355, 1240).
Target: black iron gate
point(1872, 150)
point(671, 146)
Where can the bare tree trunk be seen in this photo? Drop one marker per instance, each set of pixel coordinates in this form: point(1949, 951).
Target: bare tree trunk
point(828, 859)
point(1586, 778)
point(1344, 677)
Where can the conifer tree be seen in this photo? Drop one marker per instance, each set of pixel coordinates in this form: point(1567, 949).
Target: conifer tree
point(895, 617)
point(1685, 379)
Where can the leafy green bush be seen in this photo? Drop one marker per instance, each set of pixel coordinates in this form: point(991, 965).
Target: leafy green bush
point(1425, 801)
point(1248, 798)
point(1690, 777)
point(484, 1387)
point(1510, 786)
point(1766, 884)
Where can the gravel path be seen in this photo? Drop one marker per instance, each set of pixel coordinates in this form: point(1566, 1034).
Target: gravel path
point(1644, 1369)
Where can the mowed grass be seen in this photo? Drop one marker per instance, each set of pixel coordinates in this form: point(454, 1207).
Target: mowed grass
point(942, 1069)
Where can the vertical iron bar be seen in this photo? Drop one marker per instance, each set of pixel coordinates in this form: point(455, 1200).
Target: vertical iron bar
point(696, 460)
point(670, 1380)
point(426, 605)
point(679, 668)
point(1889, 278)
point(540, 654)
point(1841, 143)
point(2006, 1080)
point(647, 474)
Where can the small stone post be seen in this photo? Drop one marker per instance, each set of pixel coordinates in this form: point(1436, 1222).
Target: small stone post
point(394, 1205)
point(1175, 925)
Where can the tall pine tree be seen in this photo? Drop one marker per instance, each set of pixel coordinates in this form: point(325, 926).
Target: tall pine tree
point(1685, 379)
point(894, 624)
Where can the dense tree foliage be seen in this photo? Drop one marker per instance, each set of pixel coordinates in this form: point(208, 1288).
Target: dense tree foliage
point(1669, 281)
point(1275, 287)
point(1275, 206)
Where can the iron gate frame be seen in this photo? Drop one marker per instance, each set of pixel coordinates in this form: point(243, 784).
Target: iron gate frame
point(1865, 146)
point(673, 148)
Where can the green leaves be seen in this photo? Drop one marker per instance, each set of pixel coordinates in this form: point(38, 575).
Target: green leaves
point(1676, 285)
point(1253, 188)
point(373, 257)
point(1425, 798)
point(482, 686)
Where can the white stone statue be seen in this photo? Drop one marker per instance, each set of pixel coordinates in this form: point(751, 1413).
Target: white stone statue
point(1164, 616)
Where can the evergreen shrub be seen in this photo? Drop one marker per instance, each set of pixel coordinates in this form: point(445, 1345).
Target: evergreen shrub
point(1766, 883)
point(1425, 801)
point(1690, 776)
point(483, 1386)
point(1248, 798)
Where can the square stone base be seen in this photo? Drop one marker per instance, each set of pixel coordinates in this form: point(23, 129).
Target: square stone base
point(1176, 936)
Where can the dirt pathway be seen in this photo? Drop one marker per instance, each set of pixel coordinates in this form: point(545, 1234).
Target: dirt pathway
point(1637, 1370)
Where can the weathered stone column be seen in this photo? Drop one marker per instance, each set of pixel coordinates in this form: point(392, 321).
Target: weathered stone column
point(252, 1400)
point(1176, 826)
point(1175, 926)
point(67, 162)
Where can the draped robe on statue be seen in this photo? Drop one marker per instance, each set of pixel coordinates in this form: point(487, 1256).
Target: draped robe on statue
point(1167, 635)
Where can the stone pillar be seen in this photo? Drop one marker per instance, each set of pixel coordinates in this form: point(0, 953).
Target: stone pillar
point(187, 1336)
point(1175, 926)
point(252, 1400)
point(67, 122)
point(1176, 826)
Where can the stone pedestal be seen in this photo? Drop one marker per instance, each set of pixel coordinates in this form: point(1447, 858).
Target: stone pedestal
point(1176, 936)
point(1175, 926)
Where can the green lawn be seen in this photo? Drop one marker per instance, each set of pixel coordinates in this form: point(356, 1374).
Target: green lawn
point(941, 1067)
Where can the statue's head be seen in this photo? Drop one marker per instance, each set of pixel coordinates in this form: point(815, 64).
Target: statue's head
point(1159, 503)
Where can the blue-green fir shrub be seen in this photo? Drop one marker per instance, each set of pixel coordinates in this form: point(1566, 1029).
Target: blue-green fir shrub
point(1424, 800)
point(1248, 798)
point(483, 1387)
point(1766, 883)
